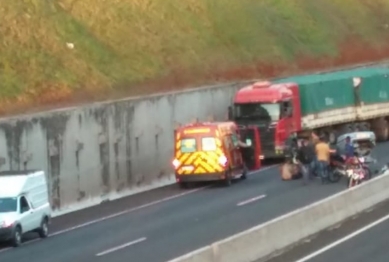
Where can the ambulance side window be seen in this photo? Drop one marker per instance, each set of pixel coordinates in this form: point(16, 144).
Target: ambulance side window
point(188, 145)
point(234, 140)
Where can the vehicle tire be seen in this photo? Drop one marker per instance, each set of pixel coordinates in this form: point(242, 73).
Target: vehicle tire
point(368, 173)
point(17, 237)
point(350, 183)
point(227, 181)
point(334, 176)
point(183, 185)
point(43, 231)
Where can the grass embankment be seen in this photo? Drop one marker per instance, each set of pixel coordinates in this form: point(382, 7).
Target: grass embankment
point(141, 46)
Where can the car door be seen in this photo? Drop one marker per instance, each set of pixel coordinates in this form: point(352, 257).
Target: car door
point(26, 214)
point(36, 214)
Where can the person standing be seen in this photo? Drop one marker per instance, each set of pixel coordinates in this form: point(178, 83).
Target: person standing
point(348, 148)
point(305, 157)
point(323, 153)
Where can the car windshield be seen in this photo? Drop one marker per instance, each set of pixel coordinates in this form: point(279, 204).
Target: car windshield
point(268, 111)
point(8, 205)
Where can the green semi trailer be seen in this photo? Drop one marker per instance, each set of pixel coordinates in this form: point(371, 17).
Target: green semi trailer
point(333, 102)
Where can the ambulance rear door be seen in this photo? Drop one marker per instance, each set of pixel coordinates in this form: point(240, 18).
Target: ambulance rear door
point(210, 158)
point(252, 155)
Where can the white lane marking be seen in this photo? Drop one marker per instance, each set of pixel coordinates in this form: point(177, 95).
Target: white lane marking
point(25, 243)
point(248, 201)
point(114, 249)
point(143, 206)
point(128, 211)
point(133, 209)
point(344, 239)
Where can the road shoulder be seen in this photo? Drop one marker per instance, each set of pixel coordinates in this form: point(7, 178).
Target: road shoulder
point(330, 235)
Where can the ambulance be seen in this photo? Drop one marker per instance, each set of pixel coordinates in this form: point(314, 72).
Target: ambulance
point(210, 151)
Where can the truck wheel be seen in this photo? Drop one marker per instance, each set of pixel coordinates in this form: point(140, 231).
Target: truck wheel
point(385, 131)
point(381, 130)
point(43, 231)
point(16, 240)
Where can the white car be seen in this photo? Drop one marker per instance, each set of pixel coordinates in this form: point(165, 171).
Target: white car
point(363, 142)
point(24, 205)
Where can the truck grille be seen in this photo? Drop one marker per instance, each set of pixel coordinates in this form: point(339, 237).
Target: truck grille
point(267, 137)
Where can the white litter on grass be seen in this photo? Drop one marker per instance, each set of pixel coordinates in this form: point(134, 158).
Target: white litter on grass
point(70, 45)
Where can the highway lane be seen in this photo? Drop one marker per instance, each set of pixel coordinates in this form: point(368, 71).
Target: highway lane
point(359, 239)
point(168, 229)
point(372, 245)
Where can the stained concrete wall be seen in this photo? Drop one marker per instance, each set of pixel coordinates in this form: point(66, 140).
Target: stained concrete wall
point(108, 150)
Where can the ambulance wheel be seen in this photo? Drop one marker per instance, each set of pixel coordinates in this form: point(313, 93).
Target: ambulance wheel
point(183, 185)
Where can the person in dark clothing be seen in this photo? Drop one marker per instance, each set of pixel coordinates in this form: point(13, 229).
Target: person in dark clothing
point(305, 156)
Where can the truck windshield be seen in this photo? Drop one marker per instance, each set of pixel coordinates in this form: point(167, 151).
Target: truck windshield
point(8, 205)
point(268, 112)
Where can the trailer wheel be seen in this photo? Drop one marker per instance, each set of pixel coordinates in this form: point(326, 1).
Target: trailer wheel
point(381, 129)
point(385, 130)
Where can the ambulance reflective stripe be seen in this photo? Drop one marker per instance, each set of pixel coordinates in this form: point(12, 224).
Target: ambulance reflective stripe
point(208, 161)
point(214, 161)
point(182, 157)
point(200, 170)
point(178, 143)
point(207, 167)
point(187, 165)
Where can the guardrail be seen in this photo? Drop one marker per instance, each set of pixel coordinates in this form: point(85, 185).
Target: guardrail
point(282, 232)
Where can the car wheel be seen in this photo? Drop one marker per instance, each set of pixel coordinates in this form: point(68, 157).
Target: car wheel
point(16, 240)
point(44, 229)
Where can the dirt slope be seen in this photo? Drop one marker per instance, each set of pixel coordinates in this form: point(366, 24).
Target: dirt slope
point(56, 52)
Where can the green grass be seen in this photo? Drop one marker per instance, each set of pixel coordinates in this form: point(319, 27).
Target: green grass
point(127, 42)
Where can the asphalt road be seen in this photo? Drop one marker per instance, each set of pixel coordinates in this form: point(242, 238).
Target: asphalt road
point(359, 239)
point(153, 230)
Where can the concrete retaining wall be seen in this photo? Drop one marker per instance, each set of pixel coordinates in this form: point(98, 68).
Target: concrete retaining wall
point(277, 234)
point(106, 150)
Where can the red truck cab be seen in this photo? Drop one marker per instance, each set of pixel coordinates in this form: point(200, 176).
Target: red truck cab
point(274, 109)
